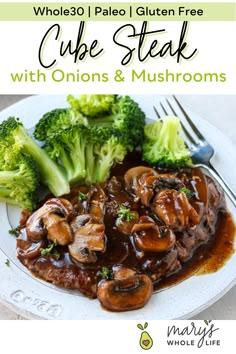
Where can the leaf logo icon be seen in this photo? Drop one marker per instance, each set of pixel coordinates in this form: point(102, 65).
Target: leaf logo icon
point(145, 341)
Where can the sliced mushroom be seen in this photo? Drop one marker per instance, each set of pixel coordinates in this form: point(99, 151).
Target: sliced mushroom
point(145, 181)
point(89, 237)
point(133, 175)
point(163, 181)
point(61, 206)
point(135, 182)
point(58, 229)
point(125, 226)
point(96, 201)
point(27, 249)
point(25, 214)
point(174, 209)
point(121, 272)
point(153, 184)
point(127, 291)
point(35, 225)
point(149, 237)
point(80, 254)
point(79, 220)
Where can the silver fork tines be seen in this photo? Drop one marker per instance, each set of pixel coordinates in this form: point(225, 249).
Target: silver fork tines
point(201, 150)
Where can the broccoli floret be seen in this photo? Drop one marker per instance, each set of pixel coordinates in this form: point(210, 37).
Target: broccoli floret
point(106, 155)
point(67, 148)
point(92, 105)
point(164, 146)
point(14, 136)
point(10, 154)
point(122, 113)
point(55, 120)
point(105, 148)
point(19, 186)
point(87, 153)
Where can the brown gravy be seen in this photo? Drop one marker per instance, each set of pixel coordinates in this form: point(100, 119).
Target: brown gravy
point(207, 257)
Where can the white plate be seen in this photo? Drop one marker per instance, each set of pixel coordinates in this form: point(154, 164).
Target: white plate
point(34, 298)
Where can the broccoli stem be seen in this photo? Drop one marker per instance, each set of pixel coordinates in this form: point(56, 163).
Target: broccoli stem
point(51, 175)
point(5, 197)
point(67, 163)
point(78, 161)
point(10, 176)
point(90, 163)
point(103, 169)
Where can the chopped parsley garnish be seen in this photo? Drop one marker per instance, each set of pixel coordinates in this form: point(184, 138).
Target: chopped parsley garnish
point(125, 213)
point(82, 196)
point(7, 263)
point(49, 251)
point(14, 231)
point(187, 191)
point(105, 273)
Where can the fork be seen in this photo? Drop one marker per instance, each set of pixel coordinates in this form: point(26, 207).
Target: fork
point(201, 151)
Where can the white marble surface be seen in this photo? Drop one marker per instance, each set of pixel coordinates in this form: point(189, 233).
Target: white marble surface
point(219, 111)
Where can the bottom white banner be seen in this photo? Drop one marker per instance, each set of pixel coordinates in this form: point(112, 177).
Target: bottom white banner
point(202, 336)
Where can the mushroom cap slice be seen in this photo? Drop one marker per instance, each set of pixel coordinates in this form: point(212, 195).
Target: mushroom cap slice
point(121, 272)
point(130, 292)
point(174, 209)
point(60, 206)
point(89, 237)
point(149, 237)
point(58, 229)
point(82, 255)
point(133, 175)
point(135, 183)
point(125, 226)
point(27, 249)
point(153, 241)
point(163, 181)
point(145, 181)
point(35, 228)
point(96, 200)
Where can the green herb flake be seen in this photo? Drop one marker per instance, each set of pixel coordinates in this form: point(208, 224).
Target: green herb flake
point(7, 263)
point(82, 196)
point(48, 250)
point(187, 191)
point(125, 213)
point(14, 231)
point(105, 273)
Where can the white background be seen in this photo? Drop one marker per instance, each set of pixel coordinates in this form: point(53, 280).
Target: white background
point(120, 337)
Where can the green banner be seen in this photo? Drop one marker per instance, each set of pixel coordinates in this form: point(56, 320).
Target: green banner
point(76, 11)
